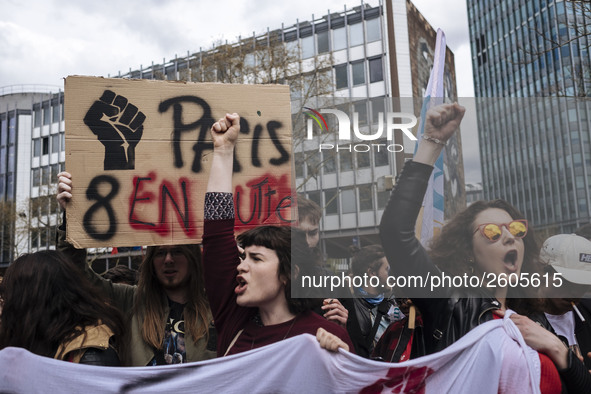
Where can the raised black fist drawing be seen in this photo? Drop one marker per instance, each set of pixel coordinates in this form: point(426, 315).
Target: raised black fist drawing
point(118, 125)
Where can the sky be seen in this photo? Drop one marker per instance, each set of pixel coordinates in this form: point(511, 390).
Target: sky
point(44, 41)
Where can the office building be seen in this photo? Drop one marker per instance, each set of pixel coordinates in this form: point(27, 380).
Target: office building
point(31, 155)
point(356, 60)
point(359, 60)
point(531, 80)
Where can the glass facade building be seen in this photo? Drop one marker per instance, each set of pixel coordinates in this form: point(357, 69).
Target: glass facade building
point(532, 71)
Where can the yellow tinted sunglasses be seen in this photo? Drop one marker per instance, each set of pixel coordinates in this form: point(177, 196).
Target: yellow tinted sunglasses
point(493, 231)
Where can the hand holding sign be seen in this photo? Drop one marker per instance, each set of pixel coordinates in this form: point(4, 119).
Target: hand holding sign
point(118, 125)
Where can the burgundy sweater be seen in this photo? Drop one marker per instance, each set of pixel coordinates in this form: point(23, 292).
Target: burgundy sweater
point(220, 259)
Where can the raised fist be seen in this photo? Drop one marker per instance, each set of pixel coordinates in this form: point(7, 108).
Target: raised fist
point(118, 125)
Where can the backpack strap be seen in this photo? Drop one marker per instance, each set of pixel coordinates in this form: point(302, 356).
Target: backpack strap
point(233, 342)
point(383, 308)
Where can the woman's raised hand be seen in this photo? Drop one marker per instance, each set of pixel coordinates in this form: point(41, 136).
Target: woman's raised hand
point(443, 120)
point(440, 124)
point(225, 131)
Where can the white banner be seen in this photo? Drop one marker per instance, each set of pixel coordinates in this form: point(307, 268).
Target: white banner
point(492, 358)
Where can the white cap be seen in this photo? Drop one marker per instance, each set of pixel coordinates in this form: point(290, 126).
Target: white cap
point(570, 255)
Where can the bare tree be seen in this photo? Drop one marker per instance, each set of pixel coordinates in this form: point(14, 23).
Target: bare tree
point(267, 59)
point(27, 224)
point(573, 34)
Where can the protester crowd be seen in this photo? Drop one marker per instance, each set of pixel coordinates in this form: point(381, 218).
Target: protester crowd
point(233, 293)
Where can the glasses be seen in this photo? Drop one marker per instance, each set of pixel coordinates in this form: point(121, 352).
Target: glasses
point(493, 231)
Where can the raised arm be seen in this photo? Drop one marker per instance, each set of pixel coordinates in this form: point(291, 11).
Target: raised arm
point(220, 253)
point(224, 133)
point(441, 122)
point(120, 294)
point(397, 228)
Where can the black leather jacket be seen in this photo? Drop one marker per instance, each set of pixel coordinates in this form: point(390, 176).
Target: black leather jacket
point(448, 313)
point(453, 312)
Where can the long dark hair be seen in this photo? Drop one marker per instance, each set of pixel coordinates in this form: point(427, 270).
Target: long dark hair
point(150, 301)
point(452, 249)
point(290, 245)
point(46, 300)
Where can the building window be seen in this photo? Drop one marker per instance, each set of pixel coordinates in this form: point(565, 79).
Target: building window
point(323, 44)
point(44, 206)
point(341, 75)
point(356, 34)
point(380, 158)
point(249, 60)
point(307, 47)
point(55, 169)
point(34, 238)
point(3, 132)
point(10, 187)
point(360, 107)
point(36, 176)
point(12, 130)
point(56, 113)
point(377, 107)
point(37, 147)
point(329, 162)
point(45, 145)
point(299, 164)
point(331, 202)
point(339, 38)
point(2, 161)
point(358, 73)
point(365, 198)
point(375, 70)
point(55, 143)
point(348, 201)
point(345, 159)
point(363, 159)
point(37, 117)
point(45, 175)
point(374, 33)
point(315, 196)
point(46, 115)
point(11, 159)
point(313, 163)
point(43, 237)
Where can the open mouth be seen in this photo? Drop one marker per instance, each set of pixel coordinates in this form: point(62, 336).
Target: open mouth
point(241, 288)
point(511, 259)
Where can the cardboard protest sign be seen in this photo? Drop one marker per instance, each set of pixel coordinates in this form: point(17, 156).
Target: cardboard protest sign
point(139, 153)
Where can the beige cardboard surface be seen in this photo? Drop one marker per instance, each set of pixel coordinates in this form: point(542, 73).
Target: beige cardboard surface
point(139, 153)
